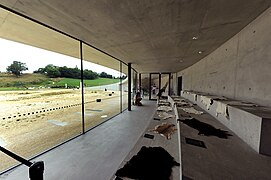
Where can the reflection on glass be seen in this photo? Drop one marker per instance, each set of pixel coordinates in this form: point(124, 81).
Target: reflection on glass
point(134, 83)
point(39, 105)
point(165, 84)
point(172, 87)
point(102, 98)
point(124, 87)
point(154, 85)
point(145, 85)
point(39, 102)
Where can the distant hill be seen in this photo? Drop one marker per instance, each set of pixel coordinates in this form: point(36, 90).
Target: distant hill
point(25, 81)
point(9, 80)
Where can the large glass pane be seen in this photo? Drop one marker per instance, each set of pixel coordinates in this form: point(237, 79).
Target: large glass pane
point(101, 87)
point(133, 86)
point(124, 87)
point(145, 85)
point(135, 82)
point(154, 85)
point(39, 89)
point(173, 84)
point(165, 84)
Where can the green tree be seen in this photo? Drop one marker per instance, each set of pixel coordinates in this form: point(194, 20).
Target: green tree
point(88, 74)
point(105, 75)
point(51, 71)
point(17, 68)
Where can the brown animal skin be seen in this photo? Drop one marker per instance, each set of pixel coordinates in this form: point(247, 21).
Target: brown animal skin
point(165, 130)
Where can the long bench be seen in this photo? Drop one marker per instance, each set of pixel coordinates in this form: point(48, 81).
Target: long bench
point(251, 122)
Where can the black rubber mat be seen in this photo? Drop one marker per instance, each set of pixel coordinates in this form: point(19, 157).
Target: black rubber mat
point(156, 119)
point(149, 136)
point(195, 142)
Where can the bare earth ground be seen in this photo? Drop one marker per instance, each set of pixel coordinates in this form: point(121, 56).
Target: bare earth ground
point(34, 121)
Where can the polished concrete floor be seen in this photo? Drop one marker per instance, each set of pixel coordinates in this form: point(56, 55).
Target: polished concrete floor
point(97, 154)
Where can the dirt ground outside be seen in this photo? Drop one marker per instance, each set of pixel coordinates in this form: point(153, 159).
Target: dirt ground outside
point(34, 121)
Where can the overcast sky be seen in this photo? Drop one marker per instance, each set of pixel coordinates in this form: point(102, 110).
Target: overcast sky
point(36, 58)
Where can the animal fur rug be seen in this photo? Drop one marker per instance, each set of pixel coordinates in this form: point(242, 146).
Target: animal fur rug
point(150, 163)
point(164, 129)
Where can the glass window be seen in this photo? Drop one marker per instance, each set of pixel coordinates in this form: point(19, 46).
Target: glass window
point(145, 85)
point(165, 80)
point(102, 89)
point(155, 83)
point(40, 101)
point(124, 87)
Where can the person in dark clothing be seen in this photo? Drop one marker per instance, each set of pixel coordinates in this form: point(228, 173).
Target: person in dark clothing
point(137, 99)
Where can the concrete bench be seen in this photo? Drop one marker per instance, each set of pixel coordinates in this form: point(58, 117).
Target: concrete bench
point(252, 123)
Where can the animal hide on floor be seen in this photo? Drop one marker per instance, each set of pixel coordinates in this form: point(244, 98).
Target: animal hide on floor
point(183, 104)
point(164, 129)
point(163, 103)
point(164, 108)
point(150, 163)
point(191, 110)
point(206, 129)
point(165, 115)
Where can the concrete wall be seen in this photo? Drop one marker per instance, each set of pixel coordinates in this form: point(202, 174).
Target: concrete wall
point(238, 69)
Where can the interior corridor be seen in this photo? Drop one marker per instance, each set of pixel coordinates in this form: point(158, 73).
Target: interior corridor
point(97, 154)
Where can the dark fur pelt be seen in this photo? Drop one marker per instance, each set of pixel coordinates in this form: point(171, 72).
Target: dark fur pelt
point(150, 163)
point(206, 129)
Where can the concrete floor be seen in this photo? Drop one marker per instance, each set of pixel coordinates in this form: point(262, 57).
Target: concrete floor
point(97, 154)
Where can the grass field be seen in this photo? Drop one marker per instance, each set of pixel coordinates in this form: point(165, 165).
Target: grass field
point(89, 83)
point(9, 82)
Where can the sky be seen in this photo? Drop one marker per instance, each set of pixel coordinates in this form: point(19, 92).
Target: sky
point(36, 58)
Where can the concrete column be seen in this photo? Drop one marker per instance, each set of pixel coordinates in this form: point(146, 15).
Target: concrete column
point(82, 88)
point(120, 87)
point(169, 84)
point(129, 86)
point(159, 86)
point(139, 77)
point(150, 87)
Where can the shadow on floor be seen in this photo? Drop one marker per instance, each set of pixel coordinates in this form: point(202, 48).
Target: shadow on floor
point(150, 163)
point(206, 129)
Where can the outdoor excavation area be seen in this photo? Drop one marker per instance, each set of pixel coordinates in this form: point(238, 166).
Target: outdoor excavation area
point(38, 112)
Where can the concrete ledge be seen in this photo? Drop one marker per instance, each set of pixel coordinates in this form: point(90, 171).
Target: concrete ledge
point(252, 123)
point(178, 124)
point(219, 158)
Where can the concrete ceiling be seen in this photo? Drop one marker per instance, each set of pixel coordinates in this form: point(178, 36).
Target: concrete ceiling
point(153, 35)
